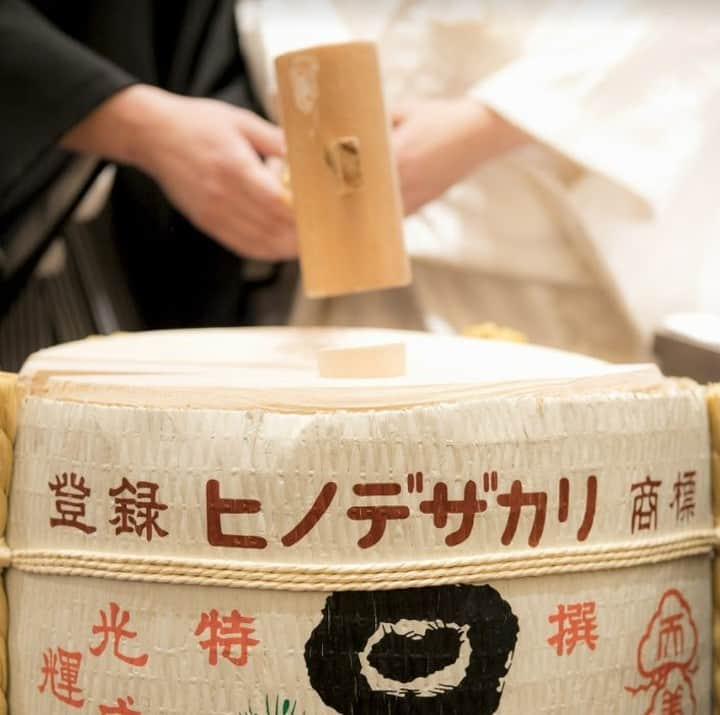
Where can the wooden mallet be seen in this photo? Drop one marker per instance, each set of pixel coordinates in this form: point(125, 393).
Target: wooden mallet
point(342, 173)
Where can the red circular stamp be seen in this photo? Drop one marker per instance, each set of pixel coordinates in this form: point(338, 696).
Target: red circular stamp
point(667, 658)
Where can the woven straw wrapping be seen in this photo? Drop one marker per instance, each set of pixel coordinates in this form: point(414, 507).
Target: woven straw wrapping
point(284, 460)
point(714, 409)
point(7, 434)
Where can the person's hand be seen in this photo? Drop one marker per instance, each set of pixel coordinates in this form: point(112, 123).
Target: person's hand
point(206, 155)
point(439, 142)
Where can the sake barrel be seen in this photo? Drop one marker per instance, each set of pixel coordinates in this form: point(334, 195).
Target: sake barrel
point(203, 522)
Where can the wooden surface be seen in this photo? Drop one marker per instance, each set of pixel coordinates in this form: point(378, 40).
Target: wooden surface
point(342, 173)
point(381, 360)
point(277, 369)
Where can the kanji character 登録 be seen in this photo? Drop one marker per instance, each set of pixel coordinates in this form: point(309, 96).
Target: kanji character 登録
point(576, 624)
point(226, 633)
point(62, 682)
point(515, 500)
point(378, 516)
point(113, 628)
point(70, 496)
point(139, 510)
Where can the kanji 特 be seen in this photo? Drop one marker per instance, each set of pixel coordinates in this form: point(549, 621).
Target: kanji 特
point(230, 636)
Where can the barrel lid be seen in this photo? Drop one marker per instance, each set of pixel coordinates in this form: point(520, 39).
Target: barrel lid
point(277, 369)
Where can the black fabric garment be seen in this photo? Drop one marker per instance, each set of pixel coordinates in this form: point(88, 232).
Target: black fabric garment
point(58, 61)
point(49, 81)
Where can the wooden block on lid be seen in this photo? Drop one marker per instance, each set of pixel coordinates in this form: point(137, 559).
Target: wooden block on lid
point(363, 361)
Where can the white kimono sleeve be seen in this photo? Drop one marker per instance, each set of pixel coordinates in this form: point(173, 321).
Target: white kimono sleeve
point(618, 86)
point(630, 91)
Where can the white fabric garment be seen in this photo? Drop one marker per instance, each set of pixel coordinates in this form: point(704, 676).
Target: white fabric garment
point(615, 207)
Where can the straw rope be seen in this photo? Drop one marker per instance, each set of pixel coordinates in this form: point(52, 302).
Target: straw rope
point(714, 411)
point(296, 577)
point(7, 435)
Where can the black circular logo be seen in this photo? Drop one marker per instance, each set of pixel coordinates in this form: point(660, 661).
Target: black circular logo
point(432, 651)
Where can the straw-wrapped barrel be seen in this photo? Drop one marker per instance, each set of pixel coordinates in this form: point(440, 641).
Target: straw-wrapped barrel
point(201, 522)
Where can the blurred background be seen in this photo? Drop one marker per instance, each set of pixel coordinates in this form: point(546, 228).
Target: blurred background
point(558, 163)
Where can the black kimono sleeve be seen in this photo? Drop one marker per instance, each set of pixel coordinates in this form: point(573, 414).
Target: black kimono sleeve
point(48, 82)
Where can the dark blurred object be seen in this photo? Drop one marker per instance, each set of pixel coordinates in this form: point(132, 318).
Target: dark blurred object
point(141, 264)
point(59, 280)
point(28, 232)
point(63, 273)
point(58, 62)
point(688, 345)
point(62, 279)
